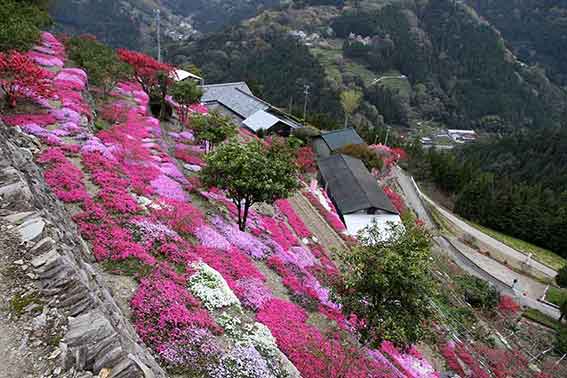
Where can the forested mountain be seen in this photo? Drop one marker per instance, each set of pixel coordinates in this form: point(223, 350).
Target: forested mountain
point(441, 63)
point(517, 184)
point(131, 23)
point(534, 29)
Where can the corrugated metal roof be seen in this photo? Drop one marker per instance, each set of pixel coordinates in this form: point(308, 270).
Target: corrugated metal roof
point(351, 185)
point(341, 138)
point(261, 120)
point(213, 92)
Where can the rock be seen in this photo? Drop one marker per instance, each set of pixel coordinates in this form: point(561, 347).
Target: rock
point(43, 245)
point(45, 259)
point(104, 373)
point(18, 217)
point(40, 321)
point(19, 262)
point(56, 353)
point(31, 229)
point(192, 168)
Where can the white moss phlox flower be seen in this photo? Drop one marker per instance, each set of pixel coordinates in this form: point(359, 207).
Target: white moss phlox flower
point(209, 286)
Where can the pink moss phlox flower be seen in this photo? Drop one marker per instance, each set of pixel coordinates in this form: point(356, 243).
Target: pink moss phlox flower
point(242, 240)
point(171, 170)
point(64, 178)
point(240, 273)
point(41, 120)
point(180, 216)
point(164, 311)
point(44, 59)
point(168, 188)
point(210, 238)
point(279, 232)
point(152, 232)
point(294, 220)
point(118, 200)
point(330, 216)
point(252, 292)
point(412, 364)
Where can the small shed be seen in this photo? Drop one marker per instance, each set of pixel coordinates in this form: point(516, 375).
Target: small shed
point(355, 193)
point(330, 142)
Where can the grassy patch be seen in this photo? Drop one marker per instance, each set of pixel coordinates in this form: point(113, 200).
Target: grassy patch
point(542, 255)
point(541, 318)
point(18, 303)
point(556, 296)
point(129, 267)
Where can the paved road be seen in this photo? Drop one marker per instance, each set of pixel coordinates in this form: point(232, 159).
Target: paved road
point(412, 198)
point(488, 240)
point(376, 81)
point(527, 292)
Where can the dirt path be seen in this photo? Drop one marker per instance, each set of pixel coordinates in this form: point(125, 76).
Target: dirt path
point(316, 223)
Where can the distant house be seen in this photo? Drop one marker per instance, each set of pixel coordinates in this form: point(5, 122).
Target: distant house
point(331, 142)
point(462, 136)
point(355, 193)
point(237, 101)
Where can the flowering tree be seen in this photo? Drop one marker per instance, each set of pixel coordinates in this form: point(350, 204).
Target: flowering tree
point(20, 78)
point(185, 93)
point(145, 68)
point(250, 173)
point(305, 159)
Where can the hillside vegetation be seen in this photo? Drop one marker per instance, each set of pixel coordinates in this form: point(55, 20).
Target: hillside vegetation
point(436, 61)
point(534, 29)
point(516, 185)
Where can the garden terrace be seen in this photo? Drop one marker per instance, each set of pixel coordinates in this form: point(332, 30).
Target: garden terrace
point(203, 295)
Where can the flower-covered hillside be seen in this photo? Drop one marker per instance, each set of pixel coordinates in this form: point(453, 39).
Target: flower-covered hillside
point(211, 300)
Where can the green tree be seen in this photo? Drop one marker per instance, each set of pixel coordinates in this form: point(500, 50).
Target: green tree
point(561, 277)
point(213, 128)
point(20, 24)
point(101, 62)
point(563, 309)
point(350, 100)
point(185, 93)
point(387, 284)
point(251, 173)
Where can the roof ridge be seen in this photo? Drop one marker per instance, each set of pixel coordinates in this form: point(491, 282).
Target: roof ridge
point(338, 130)
point(362, 187)
point(225, 84)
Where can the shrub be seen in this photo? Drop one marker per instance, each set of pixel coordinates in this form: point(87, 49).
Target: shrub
point(561, 277)
point(478, 293)
point(561, 341)
point(362, 152)
point(20, 24)
point(101, 62)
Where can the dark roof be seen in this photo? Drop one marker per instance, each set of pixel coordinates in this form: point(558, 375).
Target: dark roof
point(238, 98)
point(351, 185)
point(235, 96)
point(341, 138)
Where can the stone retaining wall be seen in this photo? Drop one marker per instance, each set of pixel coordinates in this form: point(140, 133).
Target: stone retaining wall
point(98, 338)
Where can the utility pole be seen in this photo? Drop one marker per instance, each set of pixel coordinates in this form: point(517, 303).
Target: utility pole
point(306, 92)
point(158, 19)
point(387, 135)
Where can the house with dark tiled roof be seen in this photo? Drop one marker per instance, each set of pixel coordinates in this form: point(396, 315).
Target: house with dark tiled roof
point(237, 101)
point(333, 141)
point(358, 198)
